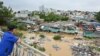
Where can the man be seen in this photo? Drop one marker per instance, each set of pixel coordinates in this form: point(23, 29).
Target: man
point(7, 41)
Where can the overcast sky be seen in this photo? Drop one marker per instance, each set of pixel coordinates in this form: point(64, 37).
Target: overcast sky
point(84, 5)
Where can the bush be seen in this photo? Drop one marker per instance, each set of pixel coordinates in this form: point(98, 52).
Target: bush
point(22, 27)
point(42, 49)
point(53, 17)
point(42, 36)
point(57, 37)
point(98, 49)
point(64, 19)
point(34, 45)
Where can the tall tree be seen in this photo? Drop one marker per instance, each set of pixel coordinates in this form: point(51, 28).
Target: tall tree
point(5, 13)
point(98, 16)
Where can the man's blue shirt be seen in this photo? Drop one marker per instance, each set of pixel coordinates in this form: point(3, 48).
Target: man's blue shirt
point(7, 43)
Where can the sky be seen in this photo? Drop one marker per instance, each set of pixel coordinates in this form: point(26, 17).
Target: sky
point(82, 5)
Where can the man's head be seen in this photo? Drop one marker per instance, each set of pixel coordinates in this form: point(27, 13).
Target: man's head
point(12, 28)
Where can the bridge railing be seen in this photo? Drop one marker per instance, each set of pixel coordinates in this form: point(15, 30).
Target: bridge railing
point(23, 49)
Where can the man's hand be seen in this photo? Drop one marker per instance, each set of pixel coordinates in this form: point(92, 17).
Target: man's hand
point(19, 40)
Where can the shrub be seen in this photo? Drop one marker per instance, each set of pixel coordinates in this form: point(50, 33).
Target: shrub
point(22, 27)
point(57, 37)
point(98, 49)
point(42, 36)
point(42, 49)
point(34, 45)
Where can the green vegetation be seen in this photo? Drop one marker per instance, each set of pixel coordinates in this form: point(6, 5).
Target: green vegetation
point(98, 16)
point(19, 34)
point(57, 37)
point(42, 36)
point(95, 48)
point(21, 26)
point(89, 38)
point(98, 49)
point(38, 47)
point(5, 14)
point(51, 17)
point(42, 49)
point(34, 45)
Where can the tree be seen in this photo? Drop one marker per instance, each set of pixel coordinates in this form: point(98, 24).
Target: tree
point(51, 16)
point(64, 18)
point(97, 16)
point(5, 13)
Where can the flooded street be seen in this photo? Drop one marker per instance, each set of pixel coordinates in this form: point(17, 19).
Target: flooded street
point(53, 47)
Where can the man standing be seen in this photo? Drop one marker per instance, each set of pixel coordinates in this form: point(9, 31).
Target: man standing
point(8, 40)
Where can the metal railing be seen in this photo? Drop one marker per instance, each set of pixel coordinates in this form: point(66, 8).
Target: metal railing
point(23, 49)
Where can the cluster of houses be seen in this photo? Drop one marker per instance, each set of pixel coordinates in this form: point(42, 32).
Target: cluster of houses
point(77, 15)
point(36, 24)
point(59, 27)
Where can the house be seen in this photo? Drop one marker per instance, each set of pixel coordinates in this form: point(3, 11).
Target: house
point(91, 29)
point(50, 27)
point(59, 27)
point(23, 14)
point(28, 22)
point(70, 29)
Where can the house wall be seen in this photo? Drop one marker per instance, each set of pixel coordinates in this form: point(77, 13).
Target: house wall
point(21, 15)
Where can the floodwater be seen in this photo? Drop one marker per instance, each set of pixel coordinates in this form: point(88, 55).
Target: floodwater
point(56, 48)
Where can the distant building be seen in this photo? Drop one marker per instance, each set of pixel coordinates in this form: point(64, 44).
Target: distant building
point(24, 13)
point(42, 8)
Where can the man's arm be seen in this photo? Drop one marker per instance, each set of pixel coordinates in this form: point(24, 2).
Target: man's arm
point(13, 39)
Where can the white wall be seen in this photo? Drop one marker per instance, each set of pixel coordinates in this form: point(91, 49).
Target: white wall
point(21, 15)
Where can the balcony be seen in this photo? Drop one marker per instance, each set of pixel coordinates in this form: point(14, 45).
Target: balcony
point(24, 49)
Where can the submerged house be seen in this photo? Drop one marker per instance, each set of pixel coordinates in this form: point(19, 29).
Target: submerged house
point(69, 29)
point(59, 27)
point(91, 29)
point(51, 27)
